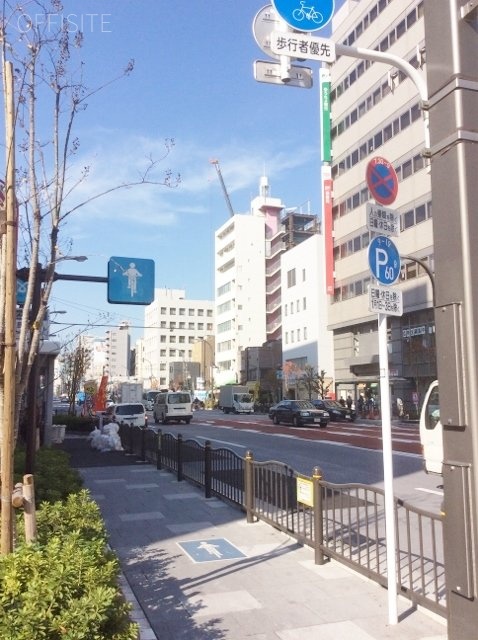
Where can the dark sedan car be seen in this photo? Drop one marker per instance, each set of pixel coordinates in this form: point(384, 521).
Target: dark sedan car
point(337, 412)
point(298, 413)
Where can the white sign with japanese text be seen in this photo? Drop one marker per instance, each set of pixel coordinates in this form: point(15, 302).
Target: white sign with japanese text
point(385, 300)
point(300, 45)
point(382, 220)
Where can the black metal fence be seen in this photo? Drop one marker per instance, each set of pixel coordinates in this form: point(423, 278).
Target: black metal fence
point(341, 521)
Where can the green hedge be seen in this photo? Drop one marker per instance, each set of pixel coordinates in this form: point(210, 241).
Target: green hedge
point(54, 478)
point(84, 424)
point(65, 586)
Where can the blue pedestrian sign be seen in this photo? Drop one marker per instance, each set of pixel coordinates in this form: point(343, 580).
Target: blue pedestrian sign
point(130, 281)
point(384, 260)
point(210, 550)
point(22, 287)
point(305, 15)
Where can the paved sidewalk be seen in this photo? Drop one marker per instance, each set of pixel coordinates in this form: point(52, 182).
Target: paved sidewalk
point(200, 572)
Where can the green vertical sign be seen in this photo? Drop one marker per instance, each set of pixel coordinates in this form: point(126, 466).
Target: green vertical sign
point(325, 115)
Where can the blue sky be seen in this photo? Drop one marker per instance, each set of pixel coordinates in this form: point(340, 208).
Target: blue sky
point(193, 82)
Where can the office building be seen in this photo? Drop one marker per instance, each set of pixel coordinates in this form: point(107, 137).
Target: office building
point(376, 112)
point(251, 265)
point(173, 324)
point(118, 352)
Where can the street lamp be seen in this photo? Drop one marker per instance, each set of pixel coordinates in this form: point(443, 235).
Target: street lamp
point(427, 270)
point(204, 368)
point(151, 376)
point(33, 380)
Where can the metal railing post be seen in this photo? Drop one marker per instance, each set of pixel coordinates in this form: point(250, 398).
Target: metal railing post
point(318, 516)
point(249, 486)
point(180, 457)
point(131, 442)
point(143, 444)
point(159, 465)
point(207, 469)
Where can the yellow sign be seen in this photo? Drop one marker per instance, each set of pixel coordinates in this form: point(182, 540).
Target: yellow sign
point(305, 492)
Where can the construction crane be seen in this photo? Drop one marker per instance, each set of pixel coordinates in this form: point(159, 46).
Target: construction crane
point(224, 190)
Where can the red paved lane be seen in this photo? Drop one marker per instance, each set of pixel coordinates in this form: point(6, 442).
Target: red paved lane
point(405, 438)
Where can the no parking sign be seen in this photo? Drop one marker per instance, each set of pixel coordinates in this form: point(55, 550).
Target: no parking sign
point(382, 180)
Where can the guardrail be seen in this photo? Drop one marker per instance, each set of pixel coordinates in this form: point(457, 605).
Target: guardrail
point(341, 521)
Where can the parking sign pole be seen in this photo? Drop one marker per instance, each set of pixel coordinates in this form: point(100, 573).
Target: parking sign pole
point(387, 470)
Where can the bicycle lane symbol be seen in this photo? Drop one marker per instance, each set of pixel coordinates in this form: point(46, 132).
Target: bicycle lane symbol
point(305, 15)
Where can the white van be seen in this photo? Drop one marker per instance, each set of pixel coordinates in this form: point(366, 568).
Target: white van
point(173, 406)
point(431, 431)
point(149, 398)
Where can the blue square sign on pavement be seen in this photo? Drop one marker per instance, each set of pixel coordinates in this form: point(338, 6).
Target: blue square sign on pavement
point(130, 280)
point(211, 549)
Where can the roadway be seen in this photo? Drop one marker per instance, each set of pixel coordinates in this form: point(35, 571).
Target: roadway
point(345, 452)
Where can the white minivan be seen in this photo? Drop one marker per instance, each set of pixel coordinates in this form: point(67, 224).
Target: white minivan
point(131, 413)
point(431, 431)
point(173, 406)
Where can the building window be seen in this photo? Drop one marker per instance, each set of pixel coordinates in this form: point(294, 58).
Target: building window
point(291, 278)
point(420, 214)
point(408, 219)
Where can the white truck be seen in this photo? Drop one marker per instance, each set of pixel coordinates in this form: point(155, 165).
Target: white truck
point(235, 398)
point(431, 431)
point(130, 392)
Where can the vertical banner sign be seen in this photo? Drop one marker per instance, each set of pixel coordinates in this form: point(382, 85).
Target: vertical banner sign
point(327, 184)
point(324, 76)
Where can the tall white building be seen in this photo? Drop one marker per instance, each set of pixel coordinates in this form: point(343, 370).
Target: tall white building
point(173, 324)
point(118, 352)
point(305, 337)
point(253, 254)
point(97, 356)
point(376, 113)
point(240, 289)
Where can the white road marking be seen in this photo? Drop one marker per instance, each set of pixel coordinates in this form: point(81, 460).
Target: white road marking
point(230, 444)
point(437, 493)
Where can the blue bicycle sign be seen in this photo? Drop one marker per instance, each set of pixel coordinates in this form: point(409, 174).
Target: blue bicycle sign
point(305, 15)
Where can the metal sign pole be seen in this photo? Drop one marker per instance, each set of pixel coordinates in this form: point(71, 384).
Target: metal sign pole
point(390, 537)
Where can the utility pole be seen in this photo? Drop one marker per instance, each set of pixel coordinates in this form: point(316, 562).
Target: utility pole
point(9, 342)
point(451, 31)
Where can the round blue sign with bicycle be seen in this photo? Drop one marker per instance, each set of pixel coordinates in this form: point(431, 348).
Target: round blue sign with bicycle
point(305, 15)
point(384, 260)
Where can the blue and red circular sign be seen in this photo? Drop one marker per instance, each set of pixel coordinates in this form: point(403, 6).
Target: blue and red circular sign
point(305, 15)
point(382, 180)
